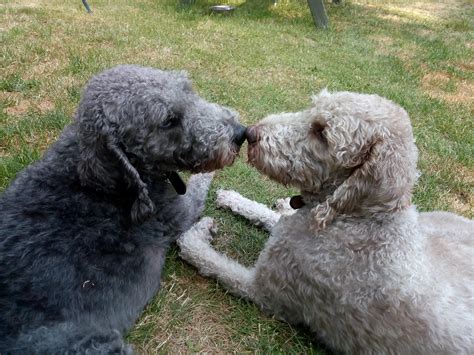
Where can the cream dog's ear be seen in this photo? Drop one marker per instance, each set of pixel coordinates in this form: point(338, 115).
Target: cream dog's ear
point(381, 182)
point(352, 190)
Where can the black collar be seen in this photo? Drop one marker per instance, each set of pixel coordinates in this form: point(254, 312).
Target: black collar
point(177, 182)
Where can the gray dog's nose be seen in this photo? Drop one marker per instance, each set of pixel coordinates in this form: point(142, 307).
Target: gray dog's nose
point(251, 134)
point(239, 137)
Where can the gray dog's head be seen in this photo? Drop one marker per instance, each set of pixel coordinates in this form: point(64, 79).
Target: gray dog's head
point(135, 121)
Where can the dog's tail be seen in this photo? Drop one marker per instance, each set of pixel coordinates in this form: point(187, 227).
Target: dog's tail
point(67, 338)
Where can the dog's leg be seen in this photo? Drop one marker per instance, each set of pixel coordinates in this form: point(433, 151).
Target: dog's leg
point(255, 212)
point(283, 206)
point(196, 250)
point(196, 193)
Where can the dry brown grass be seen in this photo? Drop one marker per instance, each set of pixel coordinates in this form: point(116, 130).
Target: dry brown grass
point(433, 83)
point(408, 11)
point(198, 325)
point(460, 197)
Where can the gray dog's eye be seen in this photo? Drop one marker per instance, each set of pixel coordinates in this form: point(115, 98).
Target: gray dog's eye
point(171, 121)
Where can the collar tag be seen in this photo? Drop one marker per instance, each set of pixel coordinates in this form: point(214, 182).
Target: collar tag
point(296, 202)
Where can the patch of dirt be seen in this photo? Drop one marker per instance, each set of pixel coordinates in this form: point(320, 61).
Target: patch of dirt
point(436, 163)
point(383, 40)
point(204, 332)
point(420, 11)
point(427, 33)
point(462, 201)
point(407, 54)
point(466, 174)
point(19, 109)
point(433, 80)
point(462, 204)
point(394, 18)
point(464, 93)
point(433, 11)
point(163, 56)
point(189, 320)
point(11, 20)
point(22, 106)
point(386, 46)
point(469, 67)
point(433, 83)
point(43, 69)
point(45, 106)
point(21, 4)
point(10, 96)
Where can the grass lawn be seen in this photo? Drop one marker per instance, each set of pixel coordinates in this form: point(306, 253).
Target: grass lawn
point(261, 59)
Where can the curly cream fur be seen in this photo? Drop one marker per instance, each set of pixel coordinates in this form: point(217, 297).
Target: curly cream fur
point(358, 264)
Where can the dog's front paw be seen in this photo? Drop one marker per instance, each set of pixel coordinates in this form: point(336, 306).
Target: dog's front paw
point(205, 229)
point(195, 242)
point(201, 231)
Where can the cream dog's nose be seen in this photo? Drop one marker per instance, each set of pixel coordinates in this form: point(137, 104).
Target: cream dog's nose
point(252, 134)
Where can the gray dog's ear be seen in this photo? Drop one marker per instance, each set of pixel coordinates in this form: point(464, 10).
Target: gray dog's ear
point(95, 167)
point(381, 182)
point(103, 165)
point(143, 207)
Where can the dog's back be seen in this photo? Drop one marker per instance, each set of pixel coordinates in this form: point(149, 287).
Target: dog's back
point(368, 284)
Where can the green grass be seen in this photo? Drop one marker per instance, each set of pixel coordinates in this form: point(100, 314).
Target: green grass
point(260, 60)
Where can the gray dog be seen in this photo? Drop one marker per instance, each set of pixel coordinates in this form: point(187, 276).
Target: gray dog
point(84, 231)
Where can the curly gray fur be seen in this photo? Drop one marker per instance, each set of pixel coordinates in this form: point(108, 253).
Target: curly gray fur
point(84, 231)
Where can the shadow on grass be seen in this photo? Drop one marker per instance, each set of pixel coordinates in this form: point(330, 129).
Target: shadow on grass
point(367, 18)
